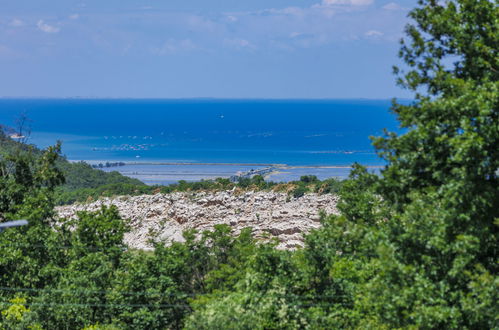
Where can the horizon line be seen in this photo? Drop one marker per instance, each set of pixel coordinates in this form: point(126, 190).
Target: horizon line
point(203, 98)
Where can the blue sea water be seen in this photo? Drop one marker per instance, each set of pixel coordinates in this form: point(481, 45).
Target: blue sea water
point(294, 132)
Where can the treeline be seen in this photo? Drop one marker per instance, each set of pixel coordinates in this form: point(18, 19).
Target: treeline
point(308, 183)
point(108, 164)
point(416, 247)
point(81, 175)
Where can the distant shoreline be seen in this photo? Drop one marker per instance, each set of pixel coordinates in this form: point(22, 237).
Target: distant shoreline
point(286, 166)
point(164, 173)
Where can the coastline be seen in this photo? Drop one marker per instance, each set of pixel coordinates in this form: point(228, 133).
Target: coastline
point(165, 173)
point(145, 163)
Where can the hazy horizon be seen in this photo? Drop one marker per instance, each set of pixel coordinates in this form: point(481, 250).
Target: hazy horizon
point(203, 98)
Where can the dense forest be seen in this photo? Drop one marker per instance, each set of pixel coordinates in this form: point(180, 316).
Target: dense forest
point(414, 247)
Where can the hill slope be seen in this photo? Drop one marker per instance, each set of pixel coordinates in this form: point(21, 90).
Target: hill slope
point(78, 175)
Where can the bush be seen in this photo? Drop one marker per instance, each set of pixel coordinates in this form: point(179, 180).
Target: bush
point(299, 191)
point(308, 178)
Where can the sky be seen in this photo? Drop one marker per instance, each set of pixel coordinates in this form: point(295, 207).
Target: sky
point(201, 48)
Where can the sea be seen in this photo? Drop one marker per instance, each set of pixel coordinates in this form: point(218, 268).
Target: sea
point(163, 141)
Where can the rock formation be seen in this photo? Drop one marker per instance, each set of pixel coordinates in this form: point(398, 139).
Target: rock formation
point(270, 214)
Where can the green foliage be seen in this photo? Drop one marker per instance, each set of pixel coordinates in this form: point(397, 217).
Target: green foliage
point(82, 175)
point(413, 248)
point(99, 326)
point(23, 176)
point(256, 183)
point(259, 300)
point(16, 311)
point(81, 181)
point(16, 316)
point(103, 230)
point(308, 178)
point(299, 191)
point(248, 311)
point(63, 196)
point(328, 186)
point(359, 200)
point(441, 181)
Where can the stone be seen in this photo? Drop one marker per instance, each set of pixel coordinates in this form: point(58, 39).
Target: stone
point(270, 214)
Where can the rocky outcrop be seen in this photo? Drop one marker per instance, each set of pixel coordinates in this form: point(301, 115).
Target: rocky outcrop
point(270, 214)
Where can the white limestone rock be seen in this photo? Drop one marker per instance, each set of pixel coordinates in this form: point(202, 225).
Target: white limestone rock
point(271, 214)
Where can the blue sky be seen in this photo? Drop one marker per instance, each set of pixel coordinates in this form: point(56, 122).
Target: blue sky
point(201, 48)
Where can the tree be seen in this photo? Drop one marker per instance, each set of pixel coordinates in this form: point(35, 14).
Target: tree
point(453, 67)
point(26, 178)
point(440, 242)
point(23, 127)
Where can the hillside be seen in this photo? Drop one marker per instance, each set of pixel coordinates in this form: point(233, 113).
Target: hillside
point(77, 175)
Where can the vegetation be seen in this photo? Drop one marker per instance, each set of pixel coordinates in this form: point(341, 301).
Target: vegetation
point(77, 176)
point(413, 248)
point(256, 183)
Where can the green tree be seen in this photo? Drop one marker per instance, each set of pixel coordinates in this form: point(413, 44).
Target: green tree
point(441, 179)
point(25, 178)
point(263, 298)
point(451, 56)
point(27, 184)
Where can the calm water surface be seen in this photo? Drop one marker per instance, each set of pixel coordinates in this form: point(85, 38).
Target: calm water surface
point(293, 132)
